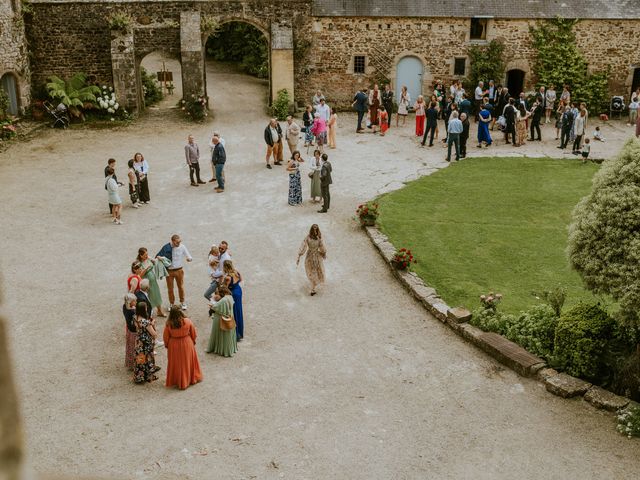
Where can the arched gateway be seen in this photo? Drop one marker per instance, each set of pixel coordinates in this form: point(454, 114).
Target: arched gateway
point(107, 40)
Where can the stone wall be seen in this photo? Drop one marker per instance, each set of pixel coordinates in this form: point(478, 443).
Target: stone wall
point(437, 41)
point(13, 48)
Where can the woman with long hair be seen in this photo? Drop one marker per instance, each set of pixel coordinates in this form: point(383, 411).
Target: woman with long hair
point(403, 105)
point(183, 367)
point(319, 130)
point(129, 312)
point(232, 280)
point(295, 183)
point(421, 109)
point(222, 342)
point(149, 271)
point(142, 167)
point(134, 280)
point(332, 128)
point(314, 247)
point(314, 174)
point(134, 185)
point(145, 366)
point(374, 106)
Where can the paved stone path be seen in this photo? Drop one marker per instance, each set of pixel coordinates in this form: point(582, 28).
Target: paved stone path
point(357, 382)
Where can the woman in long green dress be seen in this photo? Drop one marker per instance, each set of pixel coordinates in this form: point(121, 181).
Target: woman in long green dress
point(222, 342)
point(149, 272)
point(316, 166)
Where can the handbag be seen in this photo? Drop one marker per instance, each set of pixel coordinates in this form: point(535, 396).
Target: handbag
point(311, 174)
point(227, 323)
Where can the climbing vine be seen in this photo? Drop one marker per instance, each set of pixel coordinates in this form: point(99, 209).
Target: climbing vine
point(559, 61)
point(487, 63)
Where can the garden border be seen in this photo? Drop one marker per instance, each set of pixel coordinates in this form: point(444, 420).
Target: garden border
point(505, 351)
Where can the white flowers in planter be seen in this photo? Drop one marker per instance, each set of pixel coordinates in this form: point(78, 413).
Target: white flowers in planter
point(107, 100)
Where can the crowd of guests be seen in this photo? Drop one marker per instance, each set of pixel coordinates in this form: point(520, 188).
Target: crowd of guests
point(143, 305)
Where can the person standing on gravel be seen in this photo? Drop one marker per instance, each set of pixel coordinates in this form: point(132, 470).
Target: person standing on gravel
point(176, 252)
point(316, 252)
point(325, 181)
point(192, 154)
point(273, 139)
point(292, 134)
point(219, 158)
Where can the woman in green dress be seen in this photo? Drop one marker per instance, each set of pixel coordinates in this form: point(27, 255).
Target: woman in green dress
point(150, 273)
point(222, 342)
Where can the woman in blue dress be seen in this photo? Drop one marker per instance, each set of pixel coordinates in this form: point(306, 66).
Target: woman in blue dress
point(483, 127)
point(295, 184)
point(232, 280)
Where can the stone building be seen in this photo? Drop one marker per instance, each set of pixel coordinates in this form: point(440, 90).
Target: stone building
point(14, 64)
point(335, 45)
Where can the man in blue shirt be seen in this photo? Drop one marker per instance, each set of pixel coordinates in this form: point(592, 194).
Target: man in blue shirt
point(454, 129)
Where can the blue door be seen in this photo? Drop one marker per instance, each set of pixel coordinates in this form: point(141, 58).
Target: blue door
point(409, 73)
point(8, 84)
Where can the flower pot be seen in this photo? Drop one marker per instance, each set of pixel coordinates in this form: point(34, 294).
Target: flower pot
point(399, 265)
point(367, 221)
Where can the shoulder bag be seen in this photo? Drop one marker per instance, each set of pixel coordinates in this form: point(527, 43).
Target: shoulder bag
point(227, 323)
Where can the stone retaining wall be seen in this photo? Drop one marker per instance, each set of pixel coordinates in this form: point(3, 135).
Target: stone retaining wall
point(503, 350)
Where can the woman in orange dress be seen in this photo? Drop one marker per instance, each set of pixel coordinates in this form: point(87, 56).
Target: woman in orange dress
point(183, 367)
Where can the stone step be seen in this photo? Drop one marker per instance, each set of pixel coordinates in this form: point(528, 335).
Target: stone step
point(566, 386)
point(604, 399)
point(509, 353)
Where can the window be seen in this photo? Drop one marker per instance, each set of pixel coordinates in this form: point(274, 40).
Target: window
point(478, 29)
point(459, 66)
point(358, 64)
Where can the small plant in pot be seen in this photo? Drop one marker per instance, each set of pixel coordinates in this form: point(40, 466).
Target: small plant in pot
point(368, 213)
point(402, 259)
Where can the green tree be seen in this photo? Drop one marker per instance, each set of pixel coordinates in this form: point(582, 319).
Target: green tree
point(559, 61)
point(604, 236)
point(243, 43)
point(487, 62)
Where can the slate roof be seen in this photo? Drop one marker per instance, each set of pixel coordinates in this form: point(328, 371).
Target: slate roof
point(595, 9)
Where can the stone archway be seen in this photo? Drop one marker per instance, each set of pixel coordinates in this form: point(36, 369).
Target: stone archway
point(124, 58)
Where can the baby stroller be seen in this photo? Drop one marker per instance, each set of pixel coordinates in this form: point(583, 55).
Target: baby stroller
point(501, 123)
point(59, 115)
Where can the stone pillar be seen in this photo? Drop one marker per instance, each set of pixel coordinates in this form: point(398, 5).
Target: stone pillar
point(281, 59)
point(191, 52)
point(123, 64)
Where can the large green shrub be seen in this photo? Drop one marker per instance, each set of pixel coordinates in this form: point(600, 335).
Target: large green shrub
point(558, 61)
point(604, 236)
point(74, 93)
point(534, 330)
point(489, 320)
point(150, 87)
point(280, 107)
point(4, 103)
point(581, 341)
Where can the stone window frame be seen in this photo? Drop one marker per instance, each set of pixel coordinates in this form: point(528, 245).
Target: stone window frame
point(352, 59)
point(453, 67)
point(488, 30)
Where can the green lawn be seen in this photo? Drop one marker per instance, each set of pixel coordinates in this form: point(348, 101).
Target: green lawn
point(491, 224)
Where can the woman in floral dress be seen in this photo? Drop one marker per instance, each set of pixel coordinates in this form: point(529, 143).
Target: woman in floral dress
point(295, 184)
point(403, 105)
point(316, 254)
point(145, 367)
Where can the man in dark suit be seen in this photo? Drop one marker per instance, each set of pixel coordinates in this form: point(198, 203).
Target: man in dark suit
point(432, 124)
point(510, 117)
point(360, 102)
point(464, 136)
point(325, 181)
point(143, 295)
point(536, 116)
point(465, 105)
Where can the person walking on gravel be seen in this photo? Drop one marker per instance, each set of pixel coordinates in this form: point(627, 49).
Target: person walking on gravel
point(273, 139)
point(316, 252)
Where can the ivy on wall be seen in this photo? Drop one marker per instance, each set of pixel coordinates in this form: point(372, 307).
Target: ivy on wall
point(486, 63)
point(559, 61)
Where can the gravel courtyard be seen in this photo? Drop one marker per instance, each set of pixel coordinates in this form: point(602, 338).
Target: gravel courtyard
point(357, 382)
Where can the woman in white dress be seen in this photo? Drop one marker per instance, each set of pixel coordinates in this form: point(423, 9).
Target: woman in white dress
point(403, 105)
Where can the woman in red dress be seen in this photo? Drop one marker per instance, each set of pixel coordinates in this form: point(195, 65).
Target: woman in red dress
point(133, 281)
point(183, 367)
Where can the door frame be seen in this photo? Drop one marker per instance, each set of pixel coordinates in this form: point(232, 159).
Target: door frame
point(426, 82)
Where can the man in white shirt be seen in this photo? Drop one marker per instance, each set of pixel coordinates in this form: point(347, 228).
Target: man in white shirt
point(323, 109)
point(478, 94)
point(177, 253)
